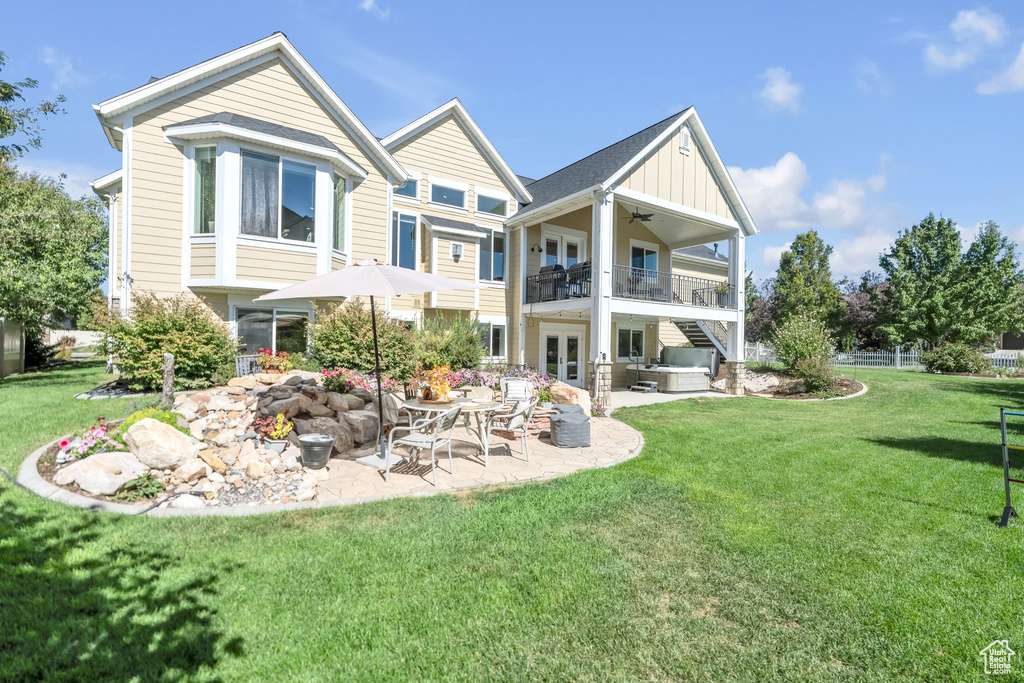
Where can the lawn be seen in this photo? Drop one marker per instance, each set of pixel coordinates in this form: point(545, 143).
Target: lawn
point(752, 540)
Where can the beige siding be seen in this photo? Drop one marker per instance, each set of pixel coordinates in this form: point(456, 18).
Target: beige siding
point(262, 264)
point(216, 302)
point(626, 231)
point(493, 301)
point(465, 270)
point(268, 91)
point(203, 260)
point(576, 220)
point(709, 271)
point(337, 263)
point(676, 177)
point(669, 335)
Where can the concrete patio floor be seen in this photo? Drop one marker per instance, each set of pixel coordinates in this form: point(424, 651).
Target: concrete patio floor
point(348, 481)
point(624, 398)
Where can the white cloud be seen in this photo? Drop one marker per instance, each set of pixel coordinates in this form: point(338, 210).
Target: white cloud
point(780, 93)
point(372, 7)
point(64, 72)
point(971, 32)
point(1008, 81)
point(870, 79)
point(771, 255)
point(78, 174)
point(851, 257)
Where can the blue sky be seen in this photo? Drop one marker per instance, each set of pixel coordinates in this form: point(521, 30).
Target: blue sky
point(853, 118)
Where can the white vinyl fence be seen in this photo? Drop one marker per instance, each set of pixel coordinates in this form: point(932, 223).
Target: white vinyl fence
point(12, 348)
point(897, 359)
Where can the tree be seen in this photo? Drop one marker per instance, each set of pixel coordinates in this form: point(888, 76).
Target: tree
point(52, 249)
point(760, 301)
point(24, 120)
point(803, 283)
point(937, 294)
point(863, 300)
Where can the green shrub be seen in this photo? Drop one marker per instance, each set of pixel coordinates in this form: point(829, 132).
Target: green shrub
point(801, 337)
point(343, 338)
point(305, 362)
point(816, 374)
point(168, 417)
point(454, 342)
point(146, 486)
point(956, 357)
point(182, 325)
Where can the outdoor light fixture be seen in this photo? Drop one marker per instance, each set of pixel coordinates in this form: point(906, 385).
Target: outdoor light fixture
point(536, 249)
point(456, 251)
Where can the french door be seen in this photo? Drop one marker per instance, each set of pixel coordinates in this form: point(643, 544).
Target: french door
point(562, 352)
point(562, 250)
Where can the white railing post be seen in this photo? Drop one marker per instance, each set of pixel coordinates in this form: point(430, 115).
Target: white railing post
point(898, 364)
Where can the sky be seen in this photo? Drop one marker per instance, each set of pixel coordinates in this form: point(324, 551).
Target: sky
point(855, 119)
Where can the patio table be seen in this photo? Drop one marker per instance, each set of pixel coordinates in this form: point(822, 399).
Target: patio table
point(474, 408)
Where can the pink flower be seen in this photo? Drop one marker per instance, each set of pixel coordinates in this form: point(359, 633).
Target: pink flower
point(64, 443)
point(83, 448)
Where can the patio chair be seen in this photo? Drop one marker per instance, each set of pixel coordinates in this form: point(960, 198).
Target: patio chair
point(395, 412)
point(514, 421)
point(515, 389)
point(428, 434)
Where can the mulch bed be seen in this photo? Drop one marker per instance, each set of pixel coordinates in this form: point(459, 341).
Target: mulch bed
point(844, 387)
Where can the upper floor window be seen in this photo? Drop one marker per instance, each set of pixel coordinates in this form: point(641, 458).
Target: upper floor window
point(492, 205)
point(278, 198)
point(448, 193)
point(403, 240)
point(338, 241)
point(410, 189)
point(206, 191)
point(492, 257)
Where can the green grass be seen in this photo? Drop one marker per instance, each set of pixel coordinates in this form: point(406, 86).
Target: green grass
point(752, 540)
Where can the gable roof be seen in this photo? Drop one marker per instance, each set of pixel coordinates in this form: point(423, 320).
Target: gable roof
point(455, 108)
point(704, 252)
point(148, 95)
point(237, 126)
point(606, 167)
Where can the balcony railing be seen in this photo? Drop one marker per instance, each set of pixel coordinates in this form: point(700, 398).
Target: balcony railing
point(631, 283)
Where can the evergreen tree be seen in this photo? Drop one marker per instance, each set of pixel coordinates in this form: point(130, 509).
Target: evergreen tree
point(803, 283)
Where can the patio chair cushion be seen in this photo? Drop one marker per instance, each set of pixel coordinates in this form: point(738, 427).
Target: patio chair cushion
point(570, 430)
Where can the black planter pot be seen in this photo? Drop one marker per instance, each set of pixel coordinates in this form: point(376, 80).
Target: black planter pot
point(316, 450)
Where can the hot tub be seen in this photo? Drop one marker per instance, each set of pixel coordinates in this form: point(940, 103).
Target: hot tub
point(672, 378)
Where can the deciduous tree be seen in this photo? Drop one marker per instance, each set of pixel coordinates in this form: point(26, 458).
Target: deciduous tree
point(803, 283)
point(23, 120)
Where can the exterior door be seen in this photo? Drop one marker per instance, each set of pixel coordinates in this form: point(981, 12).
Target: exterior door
point(562, 351)
point(563, 250)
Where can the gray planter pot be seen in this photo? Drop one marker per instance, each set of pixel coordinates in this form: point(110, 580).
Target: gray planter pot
point(276, 445)
point(316, 449)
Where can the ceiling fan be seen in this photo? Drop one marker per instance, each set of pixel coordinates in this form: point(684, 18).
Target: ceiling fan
point(638, 217)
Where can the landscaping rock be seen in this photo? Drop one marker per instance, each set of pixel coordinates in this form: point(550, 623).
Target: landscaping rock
point(364, 394)
point(190, 470)
point(158, 445)
point(336, 401)
point(343, 438)
point(291, 380)
point(569, 395)
point(288, 406)
point(257, 469)
point(234, 391)
point(362, 425)
point(317, 410)
point(102, 474)
point(218, 402)
point(187, 502)
point(355, 402)
point(209, 456)
point(248, 382)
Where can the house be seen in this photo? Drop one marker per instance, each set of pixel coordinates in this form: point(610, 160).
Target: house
point(247, 172)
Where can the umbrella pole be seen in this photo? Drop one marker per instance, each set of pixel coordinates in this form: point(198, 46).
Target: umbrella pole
point(376, 358)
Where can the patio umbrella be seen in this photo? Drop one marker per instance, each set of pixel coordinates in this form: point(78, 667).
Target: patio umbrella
point(372, 279)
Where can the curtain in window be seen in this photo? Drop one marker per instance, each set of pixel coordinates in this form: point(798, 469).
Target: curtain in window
point(259, 195)
point(485, 257)
point(339, 214)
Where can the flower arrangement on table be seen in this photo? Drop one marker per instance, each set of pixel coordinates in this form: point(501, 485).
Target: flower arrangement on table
point(95, 439)
point(436, 383)
point(270, 428)
point(273, 361)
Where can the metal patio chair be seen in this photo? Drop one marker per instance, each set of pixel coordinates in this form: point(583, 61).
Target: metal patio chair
point(428, 434)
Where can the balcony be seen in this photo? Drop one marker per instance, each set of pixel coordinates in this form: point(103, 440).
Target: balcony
point(639, 284)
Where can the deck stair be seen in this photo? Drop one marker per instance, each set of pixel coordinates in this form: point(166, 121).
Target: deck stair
point(645, 387)
point(705, 334)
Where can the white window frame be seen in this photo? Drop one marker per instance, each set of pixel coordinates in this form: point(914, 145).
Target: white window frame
point(491, 321)
point(556, 231)
point(193, 198)
point(281, 158)
point(491, 194)
point(643, 341)
point(650, 246)
point(451, 184)
point(494, 231)
point(414, 176)
point(416, 216)
point(273, 310)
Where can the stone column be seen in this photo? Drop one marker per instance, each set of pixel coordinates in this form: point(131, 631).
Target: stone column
point(735, 371)
point(602, 390)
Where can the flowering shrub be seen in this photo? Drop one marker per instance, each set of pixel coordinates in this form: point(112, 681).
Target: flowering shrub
point(598, 409)
point(270, 428)
point(342, 337)
point(95, 439)
point(343, 380)
point(269, 360)
point(491, 377)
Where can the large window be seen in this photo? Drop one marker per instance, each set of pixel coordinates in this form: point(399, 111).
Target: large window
point(338, 241)
point(278, 198)
point(206, 191)
point(449, 196)
point(410, 189)
point(403, 240)
point(492, 338)
point(272, 329)
point(643, 256)
point(492, 205)
point(631, 343)
point(492, 257)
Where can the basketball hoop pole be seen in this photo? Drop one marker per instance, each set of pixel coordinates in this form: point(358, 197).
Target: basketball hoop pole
point(1008, 511)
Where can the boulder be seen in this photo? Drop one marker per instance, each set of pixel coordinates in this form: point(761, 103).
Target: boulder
point(287, 406)
point(187, 502)
point(102, 474)
point(218, 402)
point(209, 456)
point(230, 455)
point(362, 424)
point(343, 438)
point(565, 394)
point(305, 402)
point(336, 401)
point(304, 375)
point(267, 378)
point(234, 391)
point(758, 382)
point(257, 469)
point(248, 382)
point(317, 410)
point(190, 470)
point(292, 380)
point(355, 402)
point(158, 445)
point(364, 394)
point(247, 454)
